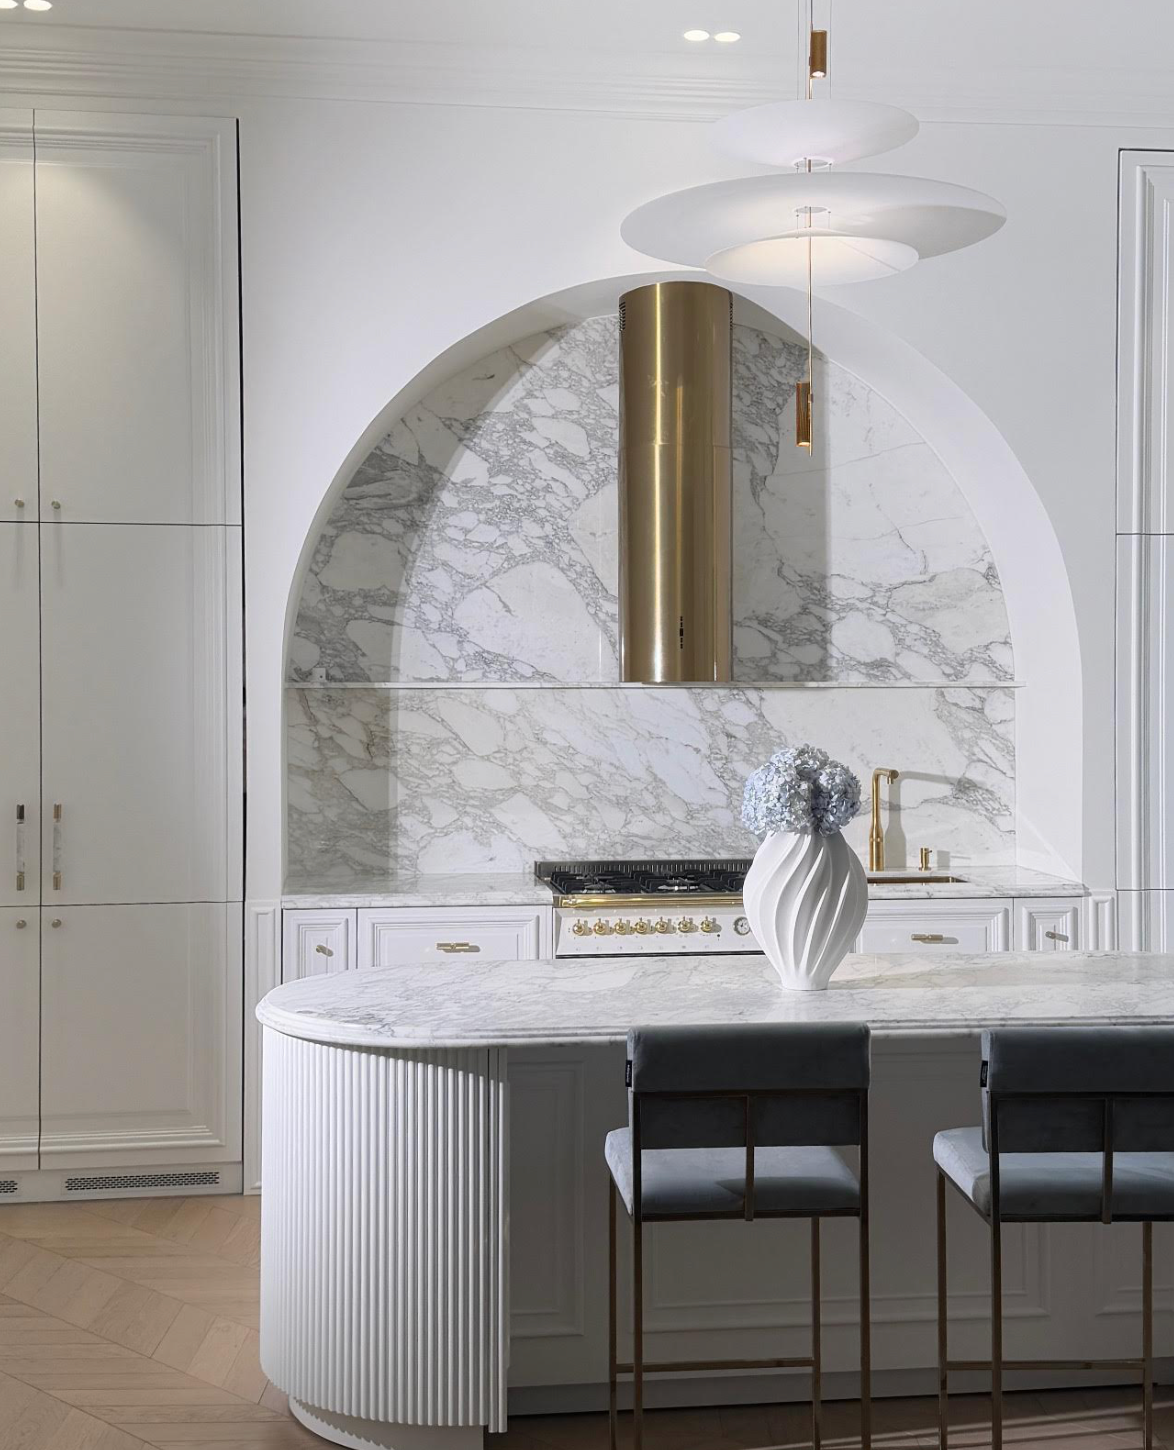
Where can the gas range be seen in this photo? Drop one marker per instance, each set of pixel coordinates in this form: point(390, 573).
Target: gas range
point(655, 908)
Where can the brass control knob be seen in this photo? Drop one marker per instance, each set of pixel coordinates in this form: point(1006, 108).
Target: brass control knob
point(643, 928)
point(602, 928)
point(623, 928)
point(686, 924)
point(709, 925)
point(581, 928)
point(663, 926)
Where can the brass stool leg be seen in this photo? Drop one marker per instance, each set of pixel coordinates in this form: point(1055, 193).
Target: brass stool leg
point(1147, 1333)
point(996, 1332)
point(611, 1313)
point(943, 1321)
point(816, 1388)
point(637, 1332)
point(865, 1336)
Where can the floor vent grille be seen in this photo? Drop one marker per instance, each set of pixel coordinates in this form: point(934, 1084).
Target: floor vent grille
point(203, 1179)
point(9, 1185)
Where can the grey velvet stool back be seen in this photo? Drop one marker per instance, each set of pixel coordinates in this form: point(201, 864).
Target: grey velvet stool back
point(1079, 1089)
point(787, 1085)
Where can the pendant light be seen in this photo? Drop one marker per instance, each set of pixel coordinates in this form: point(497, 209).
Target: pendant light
point(837, 227)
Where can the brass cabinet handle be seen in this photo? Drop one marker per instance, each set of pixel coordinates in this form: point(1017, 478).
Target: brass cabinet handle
point(456, 946)
point(1055, 936)
point(323, 951)
point(927, 936)
point(20, 847)
point(55, 922)
point(19, 502)
point(21, 924)
point(57, 846)
point(55, 503)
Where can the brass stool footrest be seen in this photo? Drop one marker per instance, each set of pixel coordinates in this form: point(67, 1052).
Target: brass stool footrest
point(673, 1366)
point(1043, 1364)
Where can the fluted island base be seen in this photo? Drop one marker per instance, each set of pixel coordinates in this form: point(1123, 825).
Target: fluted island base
point(375, 1435)
point(383, 1266)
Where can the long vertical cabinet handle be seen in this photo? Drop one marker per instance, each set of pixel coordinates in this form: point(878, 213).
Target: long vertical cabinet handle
point(20, 847)
point(57, 846)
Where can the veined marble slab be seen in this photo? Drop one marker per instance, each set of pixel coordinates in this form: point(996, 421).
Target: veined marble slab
point(478, 540)
point(599, 999)
point(461, 780)
point(335, 891)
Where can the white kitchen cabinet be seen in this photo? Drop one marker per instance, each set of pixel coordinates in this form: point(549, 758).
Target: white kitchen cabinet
point(936, 926)
point(141, 1022)
point(18, 320)
point(19, 1069)
point(20, 689)
point(425, 934)
point(1049, 925)
point(315, 941)
point(141, 733)
point(138, 352)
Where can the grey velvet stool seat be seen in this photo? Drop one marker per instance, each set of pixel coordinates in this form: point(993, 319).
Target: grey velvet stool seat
point(1078, 1127)
point(740, 1123)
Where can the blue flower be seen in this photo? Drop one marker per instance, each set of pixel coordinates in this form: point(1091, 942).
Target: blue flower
point(800, 790)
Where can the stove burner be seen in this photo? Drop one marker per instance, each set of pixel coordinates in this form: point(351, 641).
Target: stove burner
point(644, 878)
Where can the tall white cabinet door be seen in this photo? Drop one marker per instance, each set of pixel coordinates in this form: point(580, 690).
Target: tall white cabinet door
point(18, 320)
point(141, 732)
point(140, 1030)
point(20, 687)
point(19, 994)
point(137, 318)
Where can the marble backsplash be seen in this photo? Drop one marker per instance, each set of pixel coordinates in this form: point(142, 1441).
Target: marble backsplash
point(477, 541)
point(458, 779)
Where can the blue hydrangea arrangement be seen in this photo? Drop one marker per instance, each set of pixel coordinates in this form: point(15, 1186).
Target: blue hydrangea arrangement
point(802, 790)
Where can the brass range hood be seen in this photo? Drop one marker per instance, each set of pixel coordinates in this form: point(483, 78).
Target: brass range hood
point(675, 485)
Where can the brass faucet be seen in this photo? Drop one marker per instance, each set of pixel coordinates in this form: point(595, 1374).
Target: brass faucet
point(876, 834)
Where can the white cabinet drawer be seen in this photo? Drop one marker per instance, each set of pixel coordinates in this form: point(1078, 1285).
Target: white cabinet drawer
point(411, 934)
point(314, 942)
point(1052, 925)
point(937, 926)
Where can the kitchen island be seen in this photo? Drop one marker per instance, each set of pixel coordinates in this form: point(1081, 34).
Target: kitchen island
point(392, 1098)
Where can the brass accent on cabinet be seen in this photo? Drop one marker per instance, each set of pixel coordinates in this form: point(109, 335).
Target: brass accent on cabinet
point(675, 483)
point(457, 946)
point(928, 937)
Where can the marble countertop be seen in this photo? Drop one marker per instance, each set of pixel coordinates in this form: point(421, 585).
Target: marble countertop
point(462, 1004)
point(519, 888)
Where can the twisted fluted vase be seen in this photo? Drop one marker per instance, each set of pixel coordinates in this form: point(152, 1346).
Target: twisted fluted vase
point(806, 897)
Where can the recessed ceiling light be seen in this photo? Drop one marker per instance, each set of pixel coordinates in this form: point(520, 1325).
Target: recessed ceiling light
point(696, 34)
point(727, 37)
point(38, 4)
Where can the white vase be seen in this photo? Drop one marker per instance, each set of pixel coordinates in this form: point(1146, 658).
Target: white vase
point(806, 898)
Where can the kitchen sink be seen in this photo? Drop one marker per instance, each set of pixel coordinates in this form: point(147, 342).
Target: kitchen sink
point(913, 878)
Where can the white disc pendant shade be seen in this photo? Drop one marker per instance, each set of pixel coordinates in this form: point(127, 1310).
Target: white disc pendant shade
point(931, 217)
point(826, 132)
point(837, 258)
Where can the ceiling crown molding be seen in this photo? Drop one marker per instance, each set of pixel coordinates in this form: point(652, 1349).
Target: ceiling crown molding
point(205, 67)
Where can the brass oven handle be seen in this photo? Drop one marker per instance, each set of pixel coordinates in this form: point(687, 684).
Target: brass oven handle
point(927, 936)
point(457, 946)
point(1055, 936)
point(20, 847)
point(57, 849)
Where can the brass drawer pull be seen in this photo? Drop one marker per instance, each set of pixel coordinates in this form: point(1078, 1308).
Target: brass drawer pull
point(927, 936)
point(323, 951)
point(457, 946)
point(57, 846)
point(1055, 936)
point(20, 848)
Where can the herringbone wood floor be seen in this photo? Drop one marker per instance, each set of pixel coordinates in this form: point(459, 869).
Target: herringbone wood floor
point(133, 1324)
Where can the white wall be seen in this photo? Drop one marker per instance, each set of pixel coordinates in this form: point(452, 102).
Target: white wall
point(375, 236)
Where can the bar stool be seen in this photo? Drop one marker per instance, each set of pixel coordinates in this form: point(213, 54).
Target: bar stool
point(1078, 1127)
point(740, 1123)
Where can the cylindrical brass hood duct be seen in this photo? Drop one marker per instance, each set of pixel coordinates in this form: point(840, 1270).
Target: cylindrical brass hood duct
point(675, 404)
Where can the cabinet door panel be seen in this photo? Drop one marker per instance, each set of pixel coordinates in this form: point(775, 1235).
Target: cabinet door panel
point(937, 926)
point(1051, 925)
point(18, 320)
point(19, 996)
point(140, 1035)
point(20, 687)
point(412, 934)
point(137, 728)
point(137, 309)
point(314, 942)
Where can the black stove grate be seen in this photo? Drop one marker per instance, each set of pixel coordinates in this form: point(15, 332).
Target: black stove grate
point(644, 878)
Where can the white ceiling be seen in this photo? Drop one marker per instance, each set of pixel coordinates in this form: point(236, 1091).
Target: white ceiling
point(950, 34)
